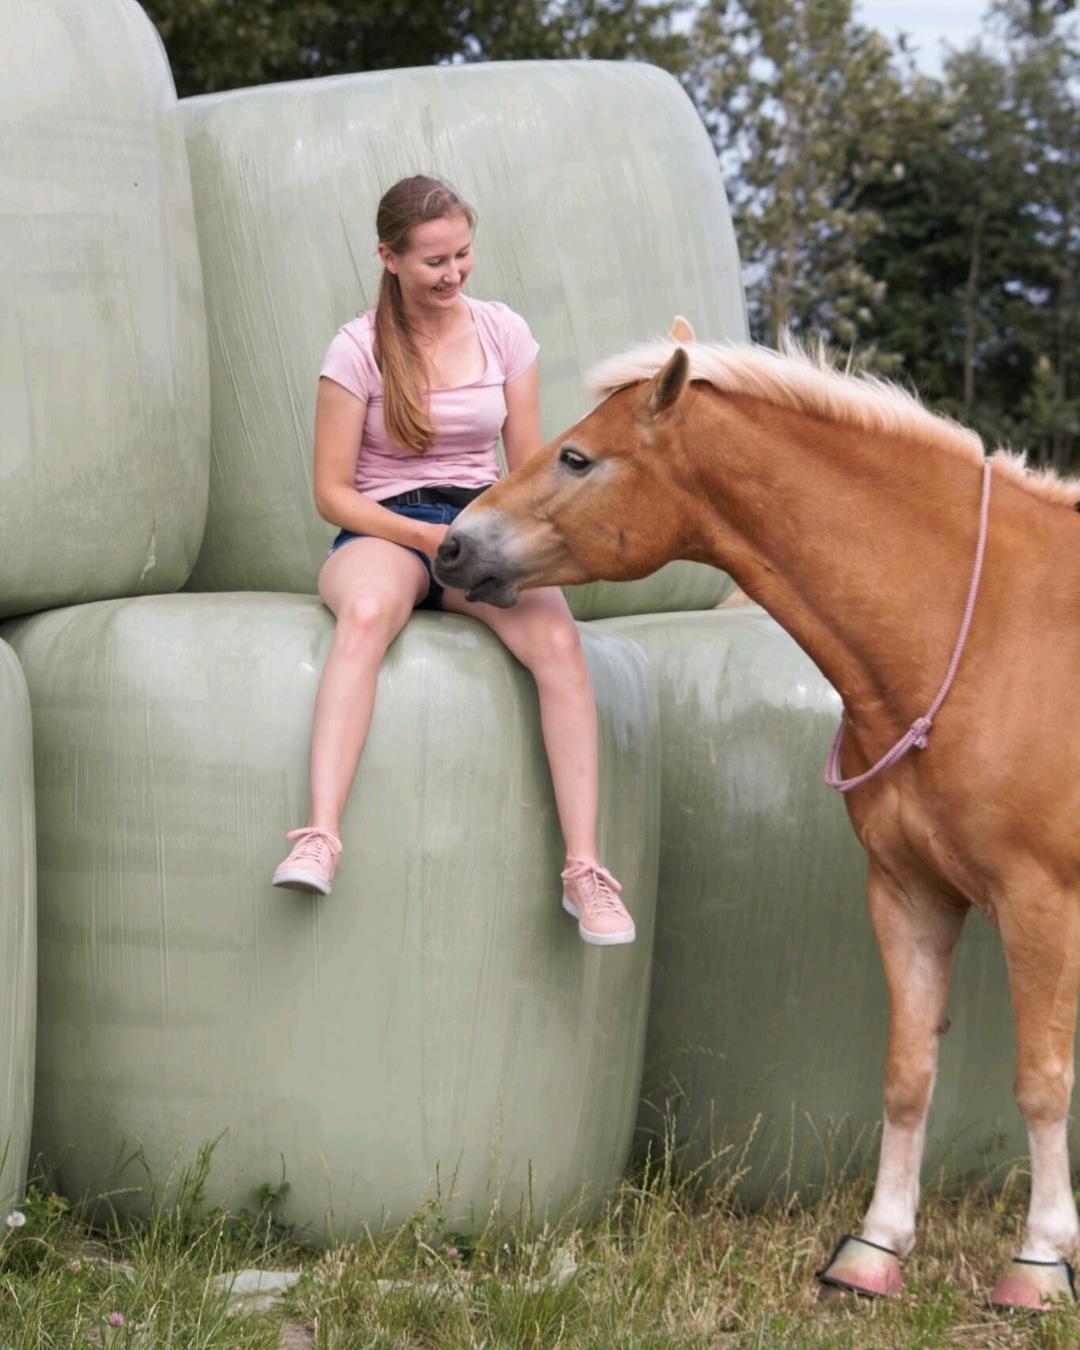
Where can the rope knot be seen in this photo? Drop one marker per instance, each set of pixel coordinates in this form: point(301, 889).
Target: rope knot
point(921, 727)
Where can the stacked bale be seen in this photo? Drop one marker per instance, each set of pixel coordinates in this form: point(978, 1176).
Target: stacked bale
point(18, 936)
point(607, 233)
point(768, 1008)
point(104, 391)
point(436, 1020)
point(103, 369)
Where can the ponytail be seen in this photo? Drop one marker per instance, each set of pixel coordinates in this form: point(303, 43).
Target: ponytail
point(405, 389)
point(405, 406)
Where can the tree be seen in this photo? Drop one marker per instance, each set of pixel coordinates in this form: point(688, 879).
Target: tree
point(800, 100)
point(1047, 74)
point(978, 245)
point(223, 44)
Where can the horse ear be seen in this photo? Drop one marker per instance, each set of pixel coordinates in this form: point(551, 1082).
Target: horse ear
point(669, 382)
point(681, 330)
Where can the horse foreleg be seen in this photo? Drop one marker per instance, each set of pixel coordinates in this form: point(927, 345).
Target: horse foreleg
point(1042, 948)
point(917, 935)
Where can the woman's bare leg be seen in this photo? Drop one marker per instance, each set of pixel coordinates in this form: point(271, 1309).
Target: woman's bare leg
point(540, 631)
point(371, 585)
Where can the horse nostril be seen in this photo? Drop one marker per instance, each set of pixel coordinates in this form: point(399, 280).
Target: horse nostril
point(450, 549)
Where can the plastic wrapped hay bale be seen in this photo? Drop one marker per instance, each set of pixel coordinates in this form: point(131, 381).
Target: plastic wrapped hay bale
point(104, 391)
point(611, 156)
point(768, 1012)
point(435, 1022)
point(18, 932)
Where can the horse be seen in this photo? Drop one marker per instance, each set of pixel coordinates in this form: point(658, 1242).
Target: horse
point(877, 534)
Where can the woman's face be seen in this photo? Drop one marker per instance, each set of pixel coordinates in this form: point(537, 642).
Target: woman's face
point(433, 269)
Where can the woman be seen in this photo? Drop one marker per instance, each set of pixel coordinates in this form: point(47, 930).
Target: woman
point(412, 398)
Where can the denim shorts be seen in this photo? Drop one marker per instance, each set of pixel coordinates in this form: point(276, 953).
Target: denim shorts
point(431, 513)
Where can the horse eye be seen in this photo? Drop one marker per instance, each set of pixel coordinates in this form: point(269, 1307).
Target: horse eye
point(574, 459)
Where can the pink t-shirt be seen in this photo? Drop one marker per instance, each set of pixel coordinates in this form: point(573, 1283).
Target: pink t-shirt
point(467, 419)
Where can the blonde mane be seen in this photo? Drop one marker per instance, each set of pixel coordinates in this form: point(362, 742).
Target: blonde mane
point(805, 382)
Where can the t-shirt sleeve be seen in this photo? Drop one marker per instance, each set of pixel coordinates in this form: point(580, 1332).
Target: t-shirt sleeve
point(350, 363)
point(519, 347)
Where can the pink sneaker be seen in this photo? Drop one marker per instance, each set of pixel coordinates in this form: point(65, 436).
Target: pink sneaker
point(312, 863)
point(591, 895)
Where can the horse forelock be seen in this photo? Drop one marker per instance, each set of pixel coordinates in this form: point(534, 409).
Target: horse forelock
point(804, 381)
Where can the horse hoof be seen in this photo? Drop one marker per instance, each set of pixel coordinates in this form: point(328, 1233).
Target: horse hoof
point(1033, 1285)
point(862, 1268)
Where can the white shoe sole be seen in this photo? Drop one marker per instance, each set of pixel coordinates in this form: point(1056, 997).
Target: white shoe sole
point(296, 880)
point(599, 939)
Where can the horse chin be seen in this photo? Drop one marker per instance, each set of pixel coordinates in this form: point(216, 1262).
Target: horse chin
point(492, 591)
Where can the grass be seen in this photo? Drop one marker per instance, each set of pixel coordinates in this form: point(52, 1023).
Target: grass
point(672, 1263)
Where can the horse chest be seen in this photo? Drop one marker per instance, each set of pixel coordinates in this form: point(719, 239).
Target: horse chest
point(930, 852)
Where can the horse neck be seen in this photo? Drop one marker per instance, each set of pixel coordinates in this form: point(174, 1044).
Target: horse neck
point(859, 543)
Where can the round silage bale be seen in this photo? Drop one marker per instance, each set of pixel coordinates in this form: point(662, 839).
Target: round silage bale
point(768, 1012)
point(18, 930)
point(104, 389)
point(435, 1022)
point(598, 237)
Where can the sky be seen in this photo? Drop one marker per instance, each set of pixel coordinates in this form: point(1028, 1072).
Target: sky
point(926, 22)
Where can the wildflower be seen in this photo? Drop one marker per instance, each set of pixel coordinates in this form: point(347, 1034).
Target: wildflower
point(116, 1319)
point(16, 1219)
point(75, 1266)
point(452, 1253)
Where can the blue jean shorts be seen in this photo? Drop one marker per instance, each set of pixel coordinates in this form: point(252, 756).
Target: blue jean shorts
point(431, 513)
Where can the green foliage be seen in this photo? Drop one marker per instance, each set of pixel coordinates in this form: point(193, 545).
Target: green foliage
point(801, 102)
point(936, 223)
point(224, 44)
point(980, 245)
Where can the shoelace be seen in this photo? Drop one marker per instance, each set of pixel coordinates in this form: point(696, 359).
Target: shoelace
point(312, 846)
point(603, 889)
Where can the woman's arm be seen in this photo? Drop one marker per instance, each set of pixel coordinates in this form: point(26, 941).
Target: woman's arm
point(339, 422)
point(521, 430)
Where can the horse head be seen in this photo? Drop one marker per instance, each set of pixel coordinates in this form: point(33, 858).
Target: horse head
point(601, 500)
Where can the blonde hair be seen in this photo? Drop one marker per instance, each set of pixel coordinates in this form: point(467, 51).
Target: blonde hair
point(410, 202)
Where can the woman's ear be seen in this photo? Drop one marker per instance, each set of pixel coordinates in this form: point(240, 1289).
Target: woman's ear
point(387, 257)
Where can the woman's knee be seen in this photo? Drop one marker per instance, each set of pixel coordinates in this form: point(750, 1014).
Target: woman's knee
point(368, 616)
point(555, 650)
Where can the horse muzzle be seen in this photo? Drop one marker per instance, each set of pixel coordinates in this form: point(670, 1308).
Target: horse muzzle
point(472, 558)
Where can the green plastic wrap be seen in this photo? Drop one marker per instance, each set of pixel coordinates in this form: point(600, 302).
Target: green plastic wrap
point(18, 931)
point(104, 387)
point(768, 998)
point(436, 1021)
point(602, 214)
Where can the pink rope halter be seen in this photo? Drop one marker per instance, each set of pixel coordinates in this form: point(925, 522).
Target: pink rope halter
point(919, 730)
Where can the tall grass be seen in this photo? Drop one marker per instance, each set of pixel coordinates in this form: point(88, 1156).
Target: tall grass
point(672, 1260)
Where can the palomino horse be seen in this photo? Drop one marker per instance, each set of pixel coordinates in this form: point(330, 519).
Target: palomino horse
point(852, 515)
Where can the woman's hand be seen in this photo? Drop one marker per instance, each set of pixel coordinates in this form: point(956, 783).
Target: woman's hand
point(431, 537)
